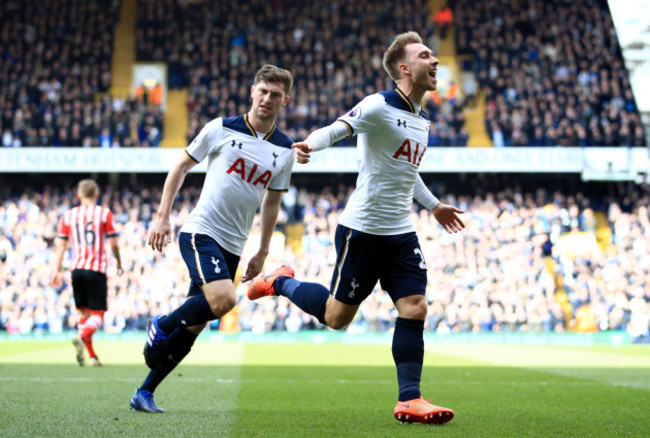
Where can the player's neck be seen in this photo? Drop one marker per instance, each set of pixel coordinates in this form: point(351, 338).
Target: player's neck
point(263, 126)
point(85, 201)
point(413, 93)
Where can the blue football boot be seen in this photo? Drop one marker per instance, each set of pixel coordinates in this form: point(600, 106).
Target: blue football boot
point(143, 401)
point(154, 348)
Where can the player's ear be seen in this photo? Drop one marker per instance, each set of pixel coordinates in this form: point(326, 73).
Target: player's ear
point(404, 68)
point(252, 90)
point(286, 101)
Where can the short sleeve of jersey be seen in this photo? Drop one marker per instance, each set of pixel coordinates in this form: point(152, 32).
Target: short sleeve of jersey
point(62, 229)
point(364, 116)
point(207, 141)
point(110, 225)
point(281, 181)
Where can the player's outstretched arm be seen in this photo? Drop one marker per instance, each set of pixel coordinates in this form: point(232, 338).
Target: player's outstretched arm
point(319, 140)
point(161, 231)
point(447, 216)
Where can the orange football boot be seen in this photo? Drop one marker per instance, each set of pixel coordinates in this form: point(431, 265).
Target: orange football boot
point(421, 411)
point(263, 286)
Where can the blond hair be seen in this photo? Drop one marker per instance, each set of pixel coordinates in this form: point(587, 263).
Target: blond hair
point(271, 73)
point(88, 188)
point(396, 53)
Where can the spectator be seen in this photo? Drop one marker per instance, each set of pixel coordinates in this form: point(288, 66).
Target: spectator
point(443, 19)
point(497, 135)
point(105, 138)
point(470, 90)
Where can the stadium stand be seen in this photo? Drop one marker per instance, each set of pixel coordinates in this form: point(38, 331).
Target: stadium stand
point(538, 81)
point(55, 76)
point(334, 53)
point(552, 72)
point(528, 262)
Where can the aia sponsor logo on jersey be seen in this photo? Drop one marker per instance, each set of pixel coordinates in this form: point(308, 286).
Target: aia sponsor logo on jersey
point(412, 153)
point(250, 175)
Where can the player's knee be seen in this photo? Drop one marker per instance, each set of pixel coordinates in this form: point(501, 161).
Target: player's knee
point(337, 322)
point(420, 309)
point(336, 325)
point(416, 310)
point(221, 297)
point(223, 304)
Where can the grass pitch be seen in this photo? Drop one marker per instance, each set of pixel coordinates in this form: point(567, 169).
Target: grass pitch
point(233, 389)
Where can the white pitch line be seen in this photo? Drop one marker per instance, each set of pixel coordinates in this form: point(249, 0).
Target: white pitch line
point(320, 381)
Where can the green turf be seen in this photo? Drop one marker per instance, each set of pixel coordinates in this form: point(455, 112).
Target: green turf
point(228, 389)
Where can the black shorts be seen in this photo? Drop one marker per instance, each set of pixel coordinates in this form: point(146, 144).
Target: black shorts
point(89, 289)
point(363, 259)
point(206, 260)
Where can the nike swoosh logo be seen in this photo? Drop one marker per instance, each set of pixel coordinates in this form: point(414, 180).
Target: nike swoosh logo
point(406, 405)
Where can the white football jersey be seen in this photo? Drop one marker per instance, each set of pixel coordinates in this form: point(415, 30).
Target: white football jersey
point(392, 138)
point(242, 165)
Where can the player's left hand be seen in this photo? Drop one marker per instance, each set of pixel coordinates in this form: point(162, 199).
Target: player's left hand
point(160, 233)
point(255, 265)
point(447, 216)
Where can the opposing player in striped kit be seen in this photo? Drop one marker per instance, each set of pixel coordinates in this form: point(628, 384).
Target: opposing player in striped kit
point(86, 227)
point(249, 165)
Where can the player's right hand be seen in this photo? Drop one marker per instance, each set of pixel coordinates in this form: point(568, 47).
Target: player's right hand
point(302, 151)
point(57, 281)
point(160, 234)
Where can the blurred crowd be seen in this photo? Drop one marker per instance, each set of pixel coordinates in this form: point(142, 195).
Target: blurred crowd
point(55, 78)
point(333, 50)
point(552, 72)
point(511, 270)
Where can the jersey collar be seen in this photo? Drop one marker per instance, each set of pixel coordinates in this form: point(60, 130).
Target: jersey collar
point(406, 99)
point(253, 132)
point(398, 99)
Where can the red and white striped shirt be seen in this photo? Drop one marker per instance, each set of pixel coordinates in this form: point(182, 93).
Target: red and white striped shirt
point(86, 226)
